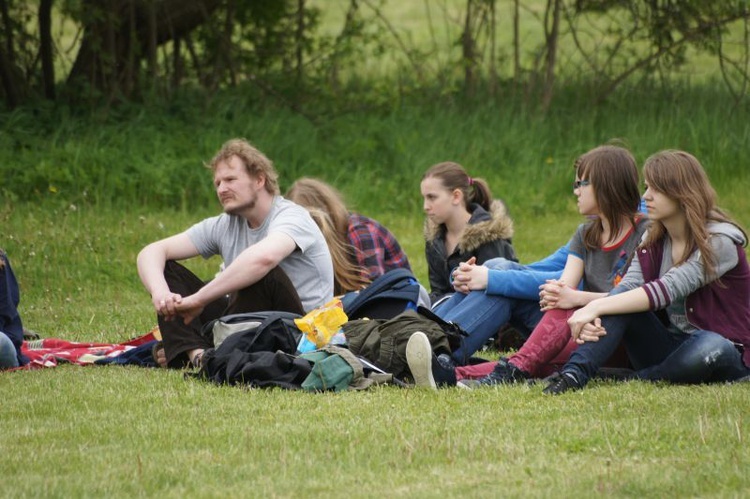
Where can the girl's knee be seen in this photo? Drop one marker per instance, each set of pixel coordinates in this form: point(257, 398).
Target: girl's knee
point(712, 346)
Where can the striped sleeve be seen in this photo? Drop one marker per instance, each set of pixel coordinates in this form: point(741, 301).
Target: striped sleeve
point(658, 294)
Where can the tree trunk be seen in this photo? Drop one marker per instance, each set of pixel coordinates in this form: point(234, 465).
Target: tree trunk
point(46, 52)
point(177, 64)
point(152, 45)
point(226, 42)
point(493, 42)
point(552, 37)
point(468, 47)
point(106, 46)
point(12, 81)
point(8, 29)
point(11, 76)
point(516, 43)
point(300, 39)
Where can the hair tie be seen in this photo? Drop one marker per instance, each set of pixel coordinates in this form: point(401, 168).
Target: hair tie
point(471, 181)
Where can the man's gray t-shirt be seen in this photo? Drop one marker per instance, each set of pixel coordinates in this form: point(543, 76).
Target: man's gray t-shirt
point(309, 266)
point(604, 267)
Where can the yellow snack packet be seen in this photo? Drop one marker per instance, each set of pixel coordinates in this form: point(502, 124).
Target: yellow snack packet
point(322, 323)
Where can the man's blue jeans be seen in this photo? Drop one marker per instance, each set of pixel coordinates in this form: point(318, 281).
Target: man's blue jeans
point(658, 353)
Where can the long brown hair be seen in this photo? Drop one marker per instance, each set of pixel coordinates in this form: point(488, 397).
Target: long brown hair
point(316, 194)
point(346, 275)
point(613, 174)
point(453, 176)
point(680, 176)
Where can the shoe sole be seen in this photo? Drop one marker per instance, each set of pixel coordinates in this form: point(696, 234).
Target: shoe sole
point(419, 358)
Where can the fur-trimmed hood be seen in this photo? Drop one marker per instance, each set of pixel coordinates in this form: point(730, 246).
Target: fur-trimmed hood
point(483, 227)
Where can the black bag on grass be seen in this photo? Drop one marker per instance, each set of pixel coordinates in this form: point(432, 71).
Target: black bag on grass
point(255, 348)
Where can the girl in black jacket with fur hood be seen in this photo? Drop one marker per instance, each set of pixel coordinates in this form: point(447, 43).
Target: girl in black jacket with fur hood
point(463, 223)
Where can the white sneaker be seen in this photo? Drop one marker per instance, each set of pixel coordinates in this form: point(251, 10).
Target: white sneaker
point(419, 358)
point(469, 384)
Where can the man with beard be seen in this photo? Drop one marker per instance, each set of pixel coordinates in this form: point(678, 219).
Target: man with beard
point(275, 258)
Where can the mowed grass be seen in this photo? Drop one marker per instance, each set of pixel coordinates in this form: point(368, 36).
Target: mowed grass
point(111, 431)
point(116, 431)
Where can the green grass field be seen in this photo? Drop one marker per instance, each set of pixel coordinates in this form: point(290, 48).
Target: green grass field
point(83, 192)
point(122, 431)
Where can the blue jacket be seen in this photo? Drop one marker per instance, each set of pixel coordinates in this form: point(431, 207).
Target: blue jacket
point(524, 282)
point(10, 321)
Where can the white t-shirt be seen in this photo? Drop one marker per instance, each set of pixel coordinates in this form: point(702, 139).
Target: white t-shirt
point(309, 266)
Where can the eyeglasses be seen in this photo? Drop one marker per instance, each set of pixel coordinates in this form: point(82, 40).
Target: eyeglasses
point(580, 183)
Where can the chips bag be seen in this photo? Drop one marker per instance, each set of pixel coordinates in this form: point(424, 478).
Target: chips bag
point(322, 325)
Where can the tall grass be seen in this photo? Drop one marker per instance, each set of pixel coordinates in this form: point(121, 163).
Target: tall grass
point(153, 155)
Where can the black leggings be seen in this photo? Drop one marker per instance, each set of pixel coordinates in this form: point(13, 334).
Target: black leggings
point(274, 291)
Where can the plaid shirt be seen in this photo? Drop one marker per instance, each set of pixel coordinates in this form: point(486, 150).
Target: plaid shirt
point(377, 250)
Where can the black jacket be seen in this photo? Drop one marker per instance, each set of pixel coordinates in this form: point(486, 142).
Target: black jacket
point(487, 236)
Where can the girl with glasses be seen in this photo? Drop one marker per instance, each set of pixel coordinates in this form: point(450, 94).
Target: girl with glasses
point(606, 189)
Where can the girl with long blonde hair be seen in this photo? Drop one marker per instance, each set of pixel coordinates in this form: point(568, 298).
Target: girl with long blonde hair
point(346, 276)
point(370, 245)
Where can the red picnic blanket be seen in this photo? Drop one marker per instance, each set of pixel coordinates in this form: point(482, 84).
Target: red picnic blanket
point(49, 352)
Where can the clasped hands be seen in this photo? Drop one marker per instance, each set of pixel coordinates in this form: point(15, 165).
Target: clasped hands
point(555, 294)
point(585, 324)
point(469, 276)
point(171, 305)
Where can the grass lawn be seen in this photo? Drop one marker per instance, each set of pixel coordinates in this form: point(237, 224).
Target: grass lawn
point(123, 431)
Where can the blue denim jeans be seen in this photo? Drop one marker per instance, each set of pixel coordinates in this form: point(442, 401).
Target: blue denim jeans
point(658, 353)
point(498, 263)
point(8, 355)
point(482, 315)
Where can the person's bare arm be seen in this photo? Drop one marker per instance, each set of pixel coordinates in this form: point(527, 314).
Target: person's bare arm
point(151, 261)
point(248, 268)
point(628, 302)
